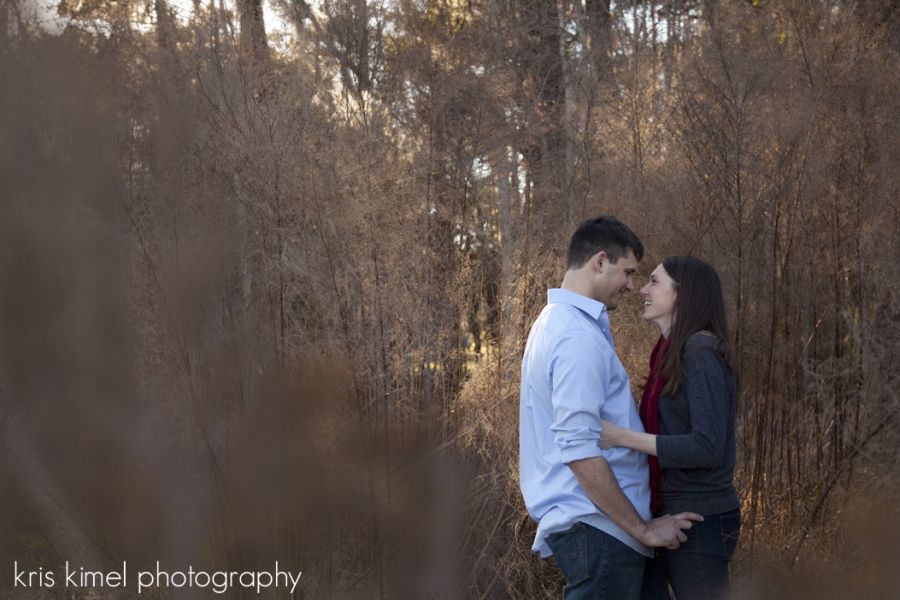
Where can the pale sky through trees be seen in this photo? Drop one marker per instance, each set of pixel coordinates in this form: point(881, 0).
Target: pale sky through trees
point(44, 14)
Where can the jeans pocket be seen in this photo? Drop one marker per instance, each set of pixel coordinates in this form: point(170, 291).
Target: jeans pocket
point(570, 552)
point(730, 529)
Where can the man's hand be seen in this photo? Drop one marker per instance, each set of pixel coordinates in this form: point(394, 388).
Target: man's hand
point(668, 531)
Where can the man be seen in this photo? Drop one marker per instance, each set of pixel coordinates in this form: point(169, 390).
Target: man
point(592, 506)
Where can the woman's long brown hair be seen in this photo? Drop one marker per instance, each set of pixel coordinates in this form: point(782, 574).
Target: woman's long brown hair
point(699, 306)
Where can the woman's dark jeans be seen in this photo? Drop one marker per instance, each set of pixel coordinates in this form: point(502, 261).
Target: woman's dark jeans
point(698, 568)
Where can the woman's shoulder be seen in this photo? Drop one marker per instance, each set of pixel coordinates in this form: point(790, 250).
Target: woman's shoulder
point(702, 339)
point(700, 349)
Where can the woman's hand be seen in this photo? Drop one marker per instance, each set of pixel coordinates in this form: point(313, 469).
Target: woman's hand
point(613, 435)
point(610, 435)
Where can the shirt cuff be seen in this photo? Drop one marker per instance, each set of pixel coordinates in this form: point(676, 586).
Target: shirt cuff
point(574, 452)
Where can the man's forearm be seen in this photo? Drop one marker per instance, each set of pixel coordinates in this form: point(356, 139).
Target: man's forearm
point(598, 481)
point(600, 485)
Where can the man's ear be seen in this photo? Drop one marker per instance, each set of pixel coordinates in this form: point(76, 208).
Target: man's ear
point(599, 261)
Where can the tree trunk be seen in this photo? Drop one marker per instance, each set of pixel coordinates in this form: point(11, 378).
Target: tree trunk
point(253, 33)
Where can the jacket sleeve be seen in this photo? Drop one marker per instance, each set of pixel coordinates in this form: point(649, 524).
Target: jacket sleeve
point(704, 389)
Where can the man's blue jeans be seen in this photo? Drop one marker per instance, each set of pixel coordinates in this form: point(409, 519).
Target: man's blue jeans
point(698, 568)
point(596, 565)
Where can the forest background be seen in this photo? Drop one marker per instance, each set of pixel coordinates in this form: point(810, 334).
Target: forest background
point(264, 290)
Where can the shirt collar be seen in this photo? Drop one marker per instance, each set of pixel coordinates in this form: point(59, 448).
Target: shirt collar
point(594, 308)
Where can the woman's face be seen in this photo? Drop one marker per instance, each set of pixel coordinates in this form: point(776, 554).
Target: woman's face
point(659, 300)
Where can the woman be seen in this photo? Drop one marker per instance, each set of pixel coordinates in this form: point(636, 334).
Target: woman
point(688, 408)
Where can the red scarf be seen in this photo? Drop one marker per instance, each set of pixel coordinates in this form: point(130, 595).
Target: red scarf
point(649, 411)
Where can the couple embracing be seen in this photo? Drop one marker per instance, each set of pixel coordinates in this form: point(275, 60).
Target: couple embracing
point(631, 502)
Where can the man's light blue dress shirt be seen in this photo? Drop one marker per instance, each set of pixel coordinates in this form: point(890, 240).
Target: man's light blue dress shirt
point(571, 377)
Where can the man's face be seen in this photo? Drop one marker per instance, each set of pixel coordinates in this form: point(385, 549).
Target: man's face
point(612, 280)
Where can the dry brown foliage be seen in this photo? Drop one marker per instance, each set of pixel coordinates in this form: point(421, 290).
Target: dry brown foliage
point(268, 303)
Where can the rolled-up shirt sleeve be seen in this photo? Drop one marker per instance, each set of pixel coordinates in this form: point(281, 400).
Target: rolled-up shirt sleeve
point(578, 374)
